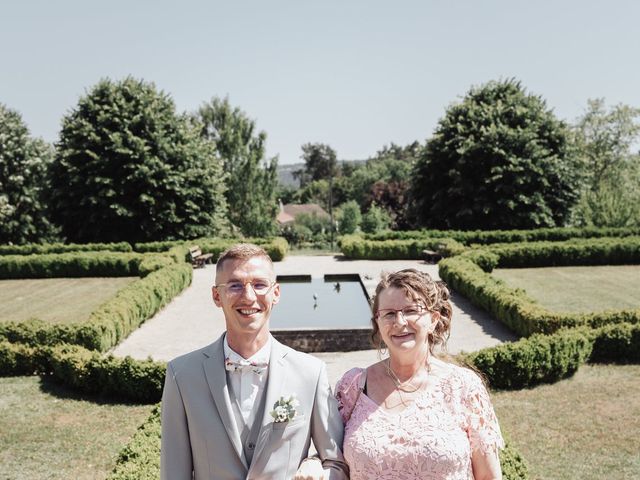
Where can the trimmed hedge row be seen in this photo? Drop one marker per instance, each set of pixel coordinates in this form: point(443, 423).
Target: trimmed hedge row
point(485, 237)
point(116, 318)
point(86, 371)
point(77, 264)
point(276, 247)
point(598, 251)
point(140, 458)
point(549, 358)
point(355, 247)
point(525, 363)
point(44, 248)
point(467, 274)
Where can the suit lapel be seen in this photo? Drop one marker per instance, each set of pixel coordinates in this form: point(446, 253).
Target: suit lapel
point(275, 382)
point(217, 380)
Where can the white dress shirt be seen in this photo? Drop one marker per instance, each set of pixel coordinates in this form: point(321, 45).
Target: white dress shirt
point(246, 384)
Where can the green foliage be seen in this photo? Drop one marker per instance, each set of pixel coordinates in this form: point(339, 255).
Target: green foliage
point(375, 220)
point(349, 217)
point(129, 168)
point(534, 360)
point(355, 247)
point(72, 264)
point(119, 316)
point(513, 465)
point(498, 159)
point(485, 237)
point(23, 165)
point(467, 274)
point(611, 191)
point(140, 458)
point(549, 358)
point(251, 179)
point(320, 163)
point(619, 343)
point(44, 248)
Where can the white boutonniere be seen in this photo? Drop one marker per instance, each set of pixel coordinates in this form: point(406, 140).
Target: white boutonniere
point(284, 410)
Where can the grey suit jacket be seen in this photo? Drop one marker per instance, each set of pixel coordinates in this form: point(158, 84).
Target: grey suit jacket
point(200, 439)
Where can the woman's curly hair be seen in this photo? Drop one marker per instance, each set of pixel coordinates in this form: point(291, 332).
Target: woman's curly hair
point(420, 287)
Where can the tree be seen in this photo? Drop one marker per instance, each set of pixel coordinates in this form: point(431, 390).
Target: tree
point(320, 163)
point(349, 217)
point(499, 159)
point(129, 168)
point(23, 165)
point(252, 180)
point(375, 220)
point(611, 190)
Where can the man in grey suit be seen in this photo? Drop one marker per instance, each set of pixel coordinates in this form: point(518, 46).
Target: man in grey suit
point(246, 406)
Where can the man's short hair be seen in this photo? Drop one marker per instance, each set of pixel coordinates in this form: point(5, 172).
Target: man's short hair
point(242, 251)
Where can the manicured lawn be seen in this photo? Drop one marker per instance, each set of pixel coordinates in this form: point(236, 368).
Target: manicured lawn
point(578, 289)
point(586, 427)
point(46, 432)
point(59, 300)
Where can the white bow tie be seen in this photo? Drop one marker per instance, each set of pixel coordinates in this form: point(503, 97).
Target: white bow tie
point(242, 365)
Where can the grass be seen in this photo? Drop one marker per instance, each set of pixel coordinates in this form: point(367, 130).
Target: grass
point(46, 432)
point(60, 300)
point(578, 289)
point(586, 427)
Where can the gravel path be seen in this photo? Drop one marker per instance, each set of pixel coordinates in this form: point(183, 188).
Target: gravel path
point(192, 321)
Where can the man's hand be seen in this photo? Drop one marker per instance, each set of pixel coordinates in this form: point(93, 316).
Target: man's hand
point(310, 469)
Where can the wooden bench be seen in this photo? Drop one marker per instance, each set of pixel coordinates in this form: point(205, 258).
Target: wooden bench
point(198, 259)
point(431, 256)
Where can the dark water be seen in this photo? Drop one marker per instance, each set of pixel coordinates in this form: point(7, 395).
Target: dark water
point(338, 304)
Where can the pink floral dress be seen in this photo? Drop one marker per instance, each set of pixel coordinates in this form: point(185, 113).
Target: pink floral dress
point(431, 439)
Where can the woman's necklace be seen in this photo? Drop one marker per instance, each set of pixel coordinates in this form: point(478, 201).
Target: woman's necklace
point(400, 385)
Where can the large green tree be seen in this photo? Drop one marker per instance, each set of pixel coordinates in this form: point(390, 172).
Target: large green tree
point(23, 165)
point(251, 178)
point(611, 170)
point(498, 159)
point(129, 168)
point(320, 163)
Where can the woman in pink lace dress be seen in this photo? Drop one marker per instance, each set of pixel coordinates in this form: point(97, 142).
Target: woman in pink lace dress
point(413, 415)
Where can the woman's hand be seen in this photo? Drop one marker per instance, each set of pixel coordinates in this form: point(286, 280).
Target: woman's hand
point(310, 469)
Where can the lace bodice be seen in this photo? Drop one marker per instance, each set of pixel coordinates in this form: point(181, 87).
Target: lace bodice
point(431, 439)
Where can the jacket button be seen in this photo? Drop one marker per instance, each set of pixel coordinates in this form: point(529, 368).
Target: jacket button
point(252, 446)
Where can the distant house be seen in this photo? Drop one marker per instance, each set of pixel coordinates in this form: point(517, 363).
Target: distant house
point(289, 212)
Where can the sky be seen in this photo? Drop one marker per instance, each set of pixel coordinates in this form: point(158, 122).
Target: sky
point(356, 75)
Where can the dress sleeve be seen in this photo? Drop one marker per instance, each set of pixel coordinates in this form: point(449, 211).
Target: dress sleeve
point(347, 392)
point(482, 425)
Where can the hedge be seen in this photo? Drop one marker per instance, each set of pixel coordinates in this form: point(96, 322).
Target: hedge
point(486, 237)
point(86, 371)
point(113, 320)
point(78, 264)
point(140, 458)
point(355, 247)
point(44, 248)
point(276, 247)
point(549, 358)
point(467, 274)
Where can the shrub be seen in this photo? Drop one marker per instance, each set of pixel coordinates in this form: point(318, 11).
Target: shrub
point(467, 274)
point(116, 318)
point(140, 458)
point(75, 264)
point(534, 360)
point(42, 248)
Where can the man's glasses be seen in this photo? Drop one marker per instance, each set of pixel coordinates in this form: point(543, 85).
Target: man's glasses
point(410, 313)
point(259, 286)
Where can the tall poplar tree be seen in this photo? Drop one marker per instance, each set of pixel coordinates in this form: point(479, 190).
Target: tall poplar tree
point(251, 178)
